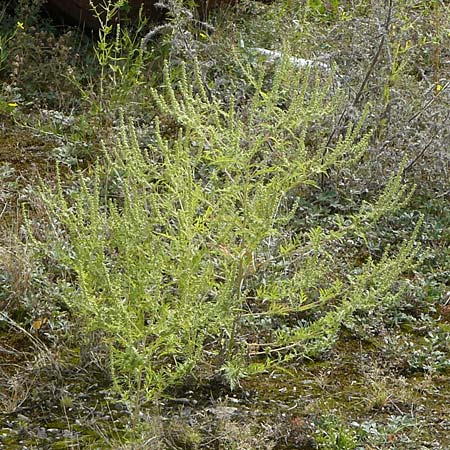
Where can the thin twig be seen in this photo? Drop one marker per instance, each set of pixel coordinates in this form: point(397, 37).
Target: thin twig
point(420, 154)
point(428, 103)
point(325, 150)
point(36, 341)
point(152, 33)
point(358, 95)
point(424, 149)
point(376, 56)
point(443, 194)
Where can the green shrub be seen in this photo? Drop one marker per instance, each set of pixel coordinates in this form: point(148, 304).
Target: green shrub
point(187, 253)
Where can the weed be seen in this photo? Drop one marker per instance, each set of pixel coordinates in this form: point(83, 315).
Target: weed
point(332, 434)
point(239, 220)
point(182, 248)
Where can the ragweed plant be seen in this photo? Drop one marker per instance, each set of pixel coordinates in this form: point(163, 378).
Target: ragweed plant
point(119, 57)
point(187, 252)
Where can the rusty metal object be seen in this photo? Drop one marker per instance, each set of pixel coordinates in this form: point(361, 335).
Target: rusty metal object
point(80, 12)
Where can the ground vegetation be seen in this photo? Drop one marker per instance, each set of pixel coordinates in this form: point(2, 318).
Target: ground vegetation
point(226, 232)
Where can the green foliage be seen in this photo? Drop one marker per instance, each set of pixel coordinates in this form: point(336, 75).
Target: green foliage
point(5, 40)
point(328, 9)
point(120, 61)
point(200, 243)
point(334, 435)
point(178, 251)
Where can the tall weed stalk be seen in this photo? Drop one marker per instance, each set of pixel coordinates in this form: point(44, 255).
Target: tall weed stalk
point(120, 60)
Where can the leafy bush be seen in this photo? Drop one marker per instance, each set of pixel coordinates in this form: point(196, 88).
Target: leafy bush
point(188, 253)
